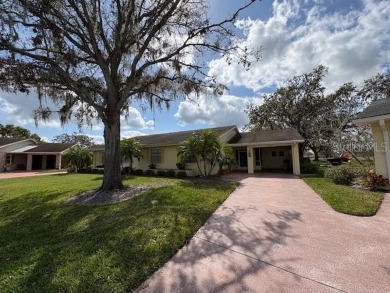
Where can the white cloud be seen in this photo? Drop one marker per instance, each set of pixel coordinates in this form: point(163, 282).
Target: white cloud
point(135, 121)
point(17, 109)
point(354, 45)
point(131, 133)
point(214, 110)
point(98, 139)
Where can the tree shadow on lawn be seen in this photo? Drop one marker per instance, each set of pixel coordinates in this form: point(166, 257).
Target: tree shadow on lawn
point(48, 246)
point(210, 184)
point(226, 253)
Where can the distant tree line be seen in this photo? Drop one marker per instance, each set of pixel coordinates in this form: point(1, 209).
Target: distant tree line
point(13, 131)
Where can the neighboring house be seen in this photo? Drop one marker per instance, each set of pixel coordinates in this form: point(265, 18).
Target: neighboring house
point(27, 154)
point(254, 151)
point(378, 116)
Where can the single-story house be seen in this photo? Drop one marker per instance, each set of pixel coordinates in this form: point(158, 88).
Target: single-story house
point(254, 151)
point(377, 114)
point(27, 154)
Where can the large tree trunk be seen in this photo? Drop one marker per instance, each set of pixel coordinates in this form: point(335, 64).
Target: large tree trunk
point(112, 159)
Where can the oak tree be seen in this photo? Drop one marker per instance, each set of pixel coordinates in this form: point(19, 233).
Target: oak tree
point(95, 57)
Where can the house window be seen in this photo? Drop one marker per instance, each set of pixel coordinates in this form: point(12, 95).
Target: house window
point(8, 160)
point(155, 156)
point(281, 154)
point(274, 153)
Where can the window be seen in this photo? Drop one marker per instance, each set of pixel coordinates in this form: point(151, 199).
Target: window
point(281, 154)
point(155, 156)
point(274, 153)
point(8, 160)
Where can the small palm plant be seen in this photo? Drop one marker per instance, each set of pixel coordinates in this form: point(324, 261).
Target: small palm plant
point(207, 150)
point(130, 149)
point(78, 158)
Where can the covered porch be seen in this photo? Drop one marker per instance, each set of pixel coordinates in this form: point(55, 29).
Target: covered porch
point(269, 158)
point(33, 161)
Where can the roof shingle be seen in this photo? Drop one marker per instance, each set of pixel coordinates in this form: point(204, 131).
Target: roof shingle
point(175, 138)
point(8, 140)
point(262, 136)
point(50, 148)
point(376, 108)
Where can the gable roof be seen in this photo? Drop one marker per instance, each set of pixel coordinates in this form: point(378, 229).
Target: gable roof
point(10, 140)
point(377, 108)
point(175, 138)
point(265, 136)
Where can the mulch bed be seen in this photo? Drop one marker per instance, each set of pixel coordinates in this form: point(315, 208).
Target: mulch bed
point(98, 197)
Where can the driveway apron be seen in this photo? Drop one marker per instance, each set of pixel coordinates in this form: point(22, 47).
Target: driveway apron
point(275, 234)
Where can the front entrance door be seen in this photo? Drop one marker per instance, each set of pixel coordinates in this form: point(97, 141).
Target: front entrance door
point(242, 159)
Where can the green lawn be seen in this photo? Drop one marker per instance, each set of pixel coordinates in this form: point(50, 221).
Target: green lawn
point(345, 199)
point(47, 246)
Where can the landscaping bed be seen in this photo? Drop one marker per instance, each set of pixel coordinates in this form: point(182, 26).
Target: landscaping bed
point(47, 245)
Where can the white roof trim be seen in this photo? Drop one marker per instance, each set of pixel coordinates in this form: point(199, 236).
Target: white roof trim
point(370, 120)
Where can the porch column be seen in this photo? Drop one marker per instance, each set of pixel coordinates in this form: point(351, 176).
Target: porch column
point(251, 164)
point(295, 158)
point(386, 140)
point(29, 162)
point(58, 163)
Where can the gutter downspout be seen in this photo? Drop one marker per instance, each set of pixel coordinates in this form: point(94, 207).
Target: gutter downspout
point(386, 139)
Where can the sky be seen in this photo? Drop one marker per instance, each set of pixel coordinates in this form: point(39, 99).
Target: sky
point(350, 37)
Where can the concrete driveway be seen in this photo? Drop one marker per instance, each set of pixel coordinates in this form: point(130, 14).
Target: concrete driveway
point(274, 234)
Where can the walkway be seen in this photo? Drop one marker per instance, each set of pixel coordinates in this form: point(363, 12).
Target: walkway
point(274, 234)
point(19, 174)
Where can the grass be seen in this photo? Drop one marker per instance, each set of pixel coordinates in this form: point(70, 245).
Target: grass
point(345, 199)
point(47, 246)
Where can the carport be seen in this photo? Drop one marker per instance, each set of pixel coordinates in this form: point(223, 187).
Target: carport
point(267, 150)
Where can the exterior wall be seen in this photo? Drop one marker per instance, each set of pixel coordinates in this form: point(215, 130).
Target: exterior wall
point(2, 161)
point(98, 158)
point(380, 149)
point(169, 159)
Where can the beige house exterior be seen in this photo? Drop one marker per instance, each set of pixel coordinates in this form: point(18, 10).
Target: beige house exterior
point(377, 115)
point(27, 154)
point(266, 150)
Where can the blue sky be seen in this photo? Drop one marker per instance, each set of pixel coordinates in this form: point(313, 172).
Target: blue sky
point(351, 37)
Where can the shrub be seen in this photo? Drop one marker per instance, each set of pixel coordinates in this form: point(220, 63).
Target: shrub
point(170, 173)
point(152, 166)
point(161, 173)
point(181, 174)
point(373, 181)
point(343, 174)
point(138, 172)
point(307, 167)
point(150, 172)
point(181, 166)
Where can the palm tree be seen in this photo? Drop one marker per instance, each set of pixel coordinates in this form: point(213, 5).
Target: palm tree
point(130, 149)
point(205, 148)
point(78, 158)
